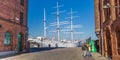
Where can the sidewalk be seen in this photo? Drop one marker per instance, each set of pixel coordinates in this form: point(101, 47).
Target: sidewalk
point(97, 56)
point(7, 53)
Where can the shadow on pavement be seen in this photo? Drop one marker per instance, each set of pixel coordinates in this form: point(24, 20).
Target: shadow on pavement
point(10, 55)
point(30, 51)
point(42, 49)
point(88, 58)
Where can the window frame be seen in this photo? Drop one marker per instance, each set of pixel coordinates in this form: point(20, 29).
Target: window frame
point(22, 2)
point(21, 17)
point(7, 39)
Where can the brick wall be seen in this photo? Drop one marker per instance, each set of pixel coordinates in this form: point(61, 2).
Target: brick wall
point(110, 21)
point(9, 20)
point(10, 9)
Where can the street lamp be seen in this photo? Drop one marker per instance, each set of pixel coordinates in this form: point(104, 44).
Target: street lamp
point(106, 6)
point(109, 6)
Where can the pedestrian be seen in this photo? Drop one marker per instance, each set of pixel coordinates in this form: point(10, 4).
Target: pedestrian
point(56, 45)
point(84, 50)
point(49, 45)
point(88, 51)
point(38, 45)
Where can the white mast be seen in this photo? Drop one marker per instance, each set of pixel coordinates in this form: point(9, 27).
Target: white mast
point(44, 23)
point(71, 24)
point(58, 22)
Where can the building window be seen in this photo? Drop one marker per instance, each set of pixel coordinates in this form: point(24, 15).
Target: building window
point(108, 14)
point(7, 38)
point(22, 2)
point(117, 10)
point(21, 18)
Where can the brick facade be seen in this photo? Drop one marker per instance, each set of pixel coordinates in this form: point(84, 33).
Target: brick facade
point(10, 21)
point(107, 22)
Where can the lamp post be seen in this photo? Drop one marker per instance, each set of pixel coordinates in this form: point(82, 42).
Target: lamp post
point(109, 6)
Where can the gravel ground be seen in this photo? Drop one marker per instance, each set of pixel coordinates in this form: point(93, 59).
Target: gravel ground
point(55, 54)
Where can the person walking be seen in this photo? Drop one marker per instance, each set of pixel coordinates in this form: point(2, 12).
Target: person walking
point(88, 52)
point(84, 50)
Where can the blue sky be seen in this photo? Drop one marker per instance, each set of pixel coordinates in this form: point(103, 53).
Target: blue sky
point(85, 21)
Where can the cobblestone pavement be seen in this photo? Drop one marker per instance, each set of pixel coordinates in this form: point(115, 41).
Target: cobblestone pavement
point(55, 54)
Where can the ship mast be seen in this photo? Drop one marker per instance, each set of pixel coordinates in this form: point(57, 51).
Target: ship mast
point(58, 22)
point(44, 23)
point(71, 24)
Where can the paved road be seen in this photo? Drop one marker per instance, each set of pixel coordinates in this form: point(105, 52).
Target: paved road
point(51, 54)
point(45, 49)
point(88, 58)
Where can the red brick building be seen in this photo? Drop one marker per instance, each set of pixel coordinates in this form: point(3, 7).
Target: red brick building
point(107, 22)
point(13, 25)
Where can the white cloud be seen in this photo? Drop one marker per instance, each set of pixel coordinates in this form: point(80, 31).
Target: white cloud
point(75, 26)
point(61, 23)
point(78, 32)
point(72, 17)
point(64, 22)
point(65, 30)
point(74, 32)
point(53, 31)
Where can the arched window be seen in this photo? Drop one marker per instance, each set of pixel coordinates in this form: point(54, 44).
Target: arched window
point(7, 38)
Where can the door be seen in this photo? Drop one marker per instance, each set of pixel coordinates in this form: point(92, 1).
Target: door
point(19, 42)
